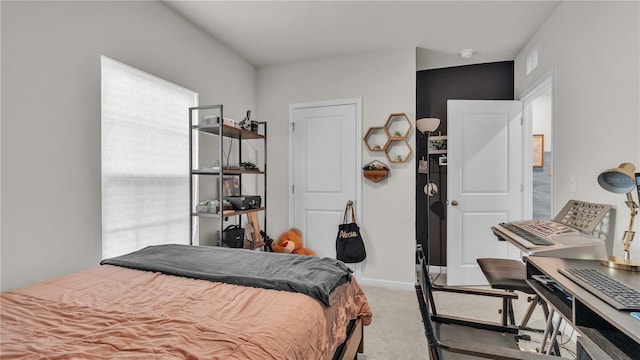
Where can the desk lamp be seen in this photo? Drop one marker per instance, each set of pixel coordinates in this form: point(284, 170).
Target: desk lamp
point(426, 126)
point(620, 180)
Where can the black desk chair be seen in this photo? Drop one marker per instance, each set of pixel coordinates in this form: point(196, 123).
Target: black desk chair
point(461, 338)
point(511, 275)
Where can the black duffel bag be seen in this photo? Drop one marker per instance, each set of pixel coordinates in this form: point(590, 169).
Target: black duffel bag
point(233, 236)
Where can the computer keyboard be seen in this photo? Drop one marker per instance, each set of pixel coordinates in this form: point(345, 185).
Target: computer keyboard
point(534, 239)
point(609, 290)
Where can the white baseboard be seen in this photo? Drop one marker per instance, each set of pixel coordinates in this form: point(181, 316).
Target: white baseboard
point(398, 284)
point(437, 269)
point(387, 284)
point(434, 269)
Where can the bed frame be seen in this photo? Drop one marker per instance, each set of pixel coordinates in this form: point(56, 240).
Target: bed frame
point(353, 344)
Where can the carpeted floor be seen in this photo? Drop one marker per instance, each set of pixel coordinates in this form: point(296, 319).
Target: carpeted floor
point(396, 332)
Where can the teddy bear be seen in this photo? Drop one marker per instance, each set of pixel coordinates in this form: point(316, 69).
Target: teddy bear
point(290, 242)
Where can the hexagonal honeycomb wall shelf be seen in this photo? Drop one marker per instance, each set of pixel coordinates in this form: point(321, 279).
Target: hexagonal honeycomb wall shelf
point(376, 138)
point(398, 126)
point(398, 150)
point(391, 138)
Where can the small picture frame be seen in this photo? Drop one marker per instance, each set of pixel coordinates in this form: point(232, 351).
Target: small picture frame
point(437, 144)
point(538, 150)
point(423, 166)
point(230, 186)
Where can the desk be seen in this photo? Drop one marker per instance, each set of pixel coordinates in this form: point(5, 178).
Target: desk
point(616, 333)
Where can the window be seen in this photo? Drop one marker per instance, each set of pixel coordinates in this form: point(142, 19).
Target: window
point(145, 159)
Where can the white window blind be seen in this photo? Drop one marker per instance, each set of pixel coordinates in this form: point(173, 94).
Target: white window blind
point(145, 159)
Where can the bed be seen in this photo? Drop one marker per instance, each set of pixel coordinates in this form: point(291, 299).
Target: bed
point(219, 304)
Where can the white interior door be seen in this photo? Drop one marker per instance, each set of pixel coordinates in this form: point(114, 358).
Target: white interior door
point(484, 186)
point(325, 163)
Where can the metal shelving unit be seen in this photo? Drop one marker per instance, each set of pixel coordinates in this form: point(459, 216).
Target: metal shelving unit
point(216, 128)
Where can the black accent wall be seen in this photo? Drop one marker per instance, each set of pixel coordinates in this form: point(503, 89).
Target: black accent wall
point(492, 81)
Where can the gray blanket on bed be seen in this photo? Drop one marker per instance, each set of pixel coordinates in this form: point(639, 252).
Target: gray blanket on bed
point(314, 276)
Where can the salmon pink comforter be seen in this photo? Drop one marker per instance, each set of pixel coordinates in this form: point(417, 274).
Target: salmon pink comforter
point(114, 312)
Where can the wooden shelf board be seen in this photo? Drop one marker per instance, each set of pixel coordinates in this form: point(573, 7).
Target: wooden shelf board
point(205, 172)
point(238, 172)
point(229, 131)
point(226, 213)
point(225, 171)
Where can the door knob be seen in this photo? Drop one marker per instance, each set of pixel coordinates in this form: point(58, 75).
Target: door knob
point(454, 202)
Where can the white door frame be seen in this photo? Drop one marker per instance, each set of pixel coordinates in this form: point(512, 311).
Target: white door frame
point(358, 103)
point(527, 97)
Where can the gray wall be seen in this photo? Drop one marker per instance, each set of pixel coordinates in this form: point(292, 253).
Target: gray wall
point(386, 83)
point(594, 50)
point(50, 134)
point(51, 201)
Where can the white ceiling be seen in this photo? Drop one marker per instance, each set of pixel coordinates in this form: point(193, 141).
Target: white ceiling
point(273, 32)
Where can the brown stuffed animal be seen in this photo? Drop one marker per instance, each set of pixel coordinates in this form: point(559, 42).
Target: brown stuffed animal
point(290, 242)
